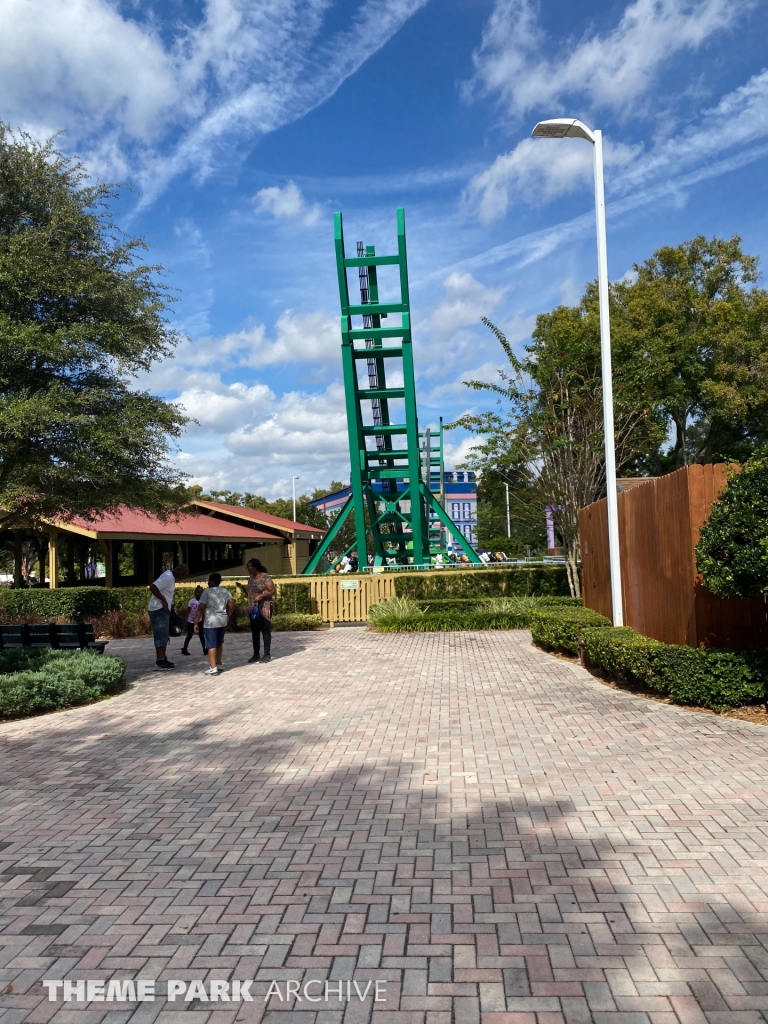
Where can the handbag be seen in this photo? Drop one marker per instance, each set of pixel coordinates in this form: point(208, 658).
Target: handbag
point(175, 623)
point(255, 613)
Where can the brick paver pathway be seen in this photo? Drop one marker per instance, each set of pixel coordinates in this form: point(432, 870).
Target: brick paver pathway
point(482, 828)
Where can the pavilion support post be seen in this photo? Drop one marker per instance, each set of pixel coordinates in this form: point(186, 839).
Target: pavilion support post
point(18, 539)
point(53, 559)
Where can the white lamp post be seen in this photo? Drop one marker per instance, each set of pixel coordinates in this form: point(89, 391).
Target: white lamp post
point(570, 128)
point(294, 496)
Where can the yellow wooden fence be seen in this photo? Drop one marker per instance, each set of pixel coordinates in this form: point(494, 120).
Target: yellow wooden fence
point(343, 599)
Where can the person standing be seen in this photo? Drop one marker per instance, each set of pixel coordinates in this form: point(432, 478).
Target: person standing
point(160, 610)
point(218, 604)
point(260, 590)
point(190, 618)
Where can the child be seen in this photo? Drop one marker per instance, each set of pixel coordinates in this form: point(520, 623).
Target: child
point(189, 618)
point(217, 604)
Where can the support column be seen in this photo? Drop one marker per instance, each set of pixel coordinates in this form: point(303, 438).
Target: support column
point(53, 559)
point(18, 538)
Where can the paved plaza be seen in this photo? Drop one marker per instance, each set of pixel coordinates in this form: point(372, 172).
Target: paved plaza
point(482, 829)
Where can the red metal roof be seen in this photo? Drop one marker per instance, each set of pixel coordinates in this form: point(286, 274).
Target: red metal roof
point(260, 517)
point(129, 521)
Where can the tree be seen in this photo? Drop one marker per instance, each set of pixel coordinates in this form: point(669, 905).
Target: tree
point(527, 522)
point(549, 430)
point(732, 553)
point(695, 312)
point(80, 316)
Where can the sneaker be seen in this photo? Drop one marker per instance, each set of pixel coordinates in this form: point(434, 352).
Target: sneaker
point(183, 651)
point(211, 671)
point(163, 665)
point(267, 657)
point(253, 659)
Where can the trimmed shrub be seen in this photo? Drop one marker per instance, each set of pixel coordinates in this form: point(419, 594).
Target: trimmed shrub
point(475, 583)
point(293, 622)
point(568, 602)
point(67, 603)
point(622, 654)
point(32, 682)
point(558, 628)
point(698, 676)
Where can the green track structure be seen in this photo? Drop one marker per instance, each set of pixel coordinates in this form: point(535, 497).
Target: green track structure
point(402, 520)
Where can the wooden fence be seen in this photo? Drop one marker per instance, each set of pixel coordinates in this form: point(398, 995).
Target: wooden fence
point(340, 599)
point(659, 523)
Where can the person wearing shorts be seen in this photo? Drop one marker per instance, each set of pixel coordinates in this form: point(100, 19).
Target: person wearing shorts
point(190, 617)
point(218, 604)
point(160, 610)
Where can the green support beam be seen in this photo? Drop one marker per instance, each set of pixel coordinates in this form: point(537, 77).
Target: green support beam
point(395, 519)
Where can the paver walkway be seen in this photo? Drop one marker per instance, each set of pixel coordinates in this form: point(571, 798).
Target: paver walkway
point(485, 829)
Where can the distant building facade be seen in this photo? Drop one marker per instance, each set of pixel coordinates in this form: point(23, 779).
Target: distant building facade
point(460, 499)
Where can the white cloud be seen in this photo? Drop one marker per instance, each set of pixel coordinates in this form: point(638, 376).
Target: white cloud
point(157, 98)
point(248, 439)
point(464, 303)
point(612, 70)
point(538, 171)
point(286, 202)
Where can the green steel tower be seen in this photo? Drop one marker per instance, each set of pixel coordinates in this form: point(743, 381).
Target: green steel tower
point(401, 519)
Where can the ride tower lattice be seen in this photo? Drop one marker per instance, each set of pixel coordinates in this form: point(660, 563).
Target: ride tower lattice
point(395, 510)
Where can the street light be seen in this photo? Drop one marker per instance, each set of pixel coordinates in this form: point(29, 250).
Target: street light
point(570, 128)
point(294, 496)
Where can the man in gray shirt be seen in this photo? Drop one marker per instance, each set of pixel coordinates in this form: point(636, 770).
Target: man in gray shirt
point(217, 604)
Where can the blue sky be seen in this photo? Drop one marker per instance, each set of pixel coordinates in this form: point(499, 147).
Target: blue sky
point(244, 124)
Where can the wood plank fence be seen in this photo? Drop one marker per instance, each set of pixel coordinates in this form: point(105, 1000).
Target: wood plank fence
point(659, 523)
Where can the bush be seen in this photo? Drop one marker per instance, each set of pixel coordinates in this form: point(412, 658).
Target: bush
point(558, 628)
point(474, 583)
point(291, 622)
point(35, 681)
point(622, 654)
point(731, 553)
point(401, 615)
point(71, 604)
point(117, 624)
point(698, 676)
point(292, 598)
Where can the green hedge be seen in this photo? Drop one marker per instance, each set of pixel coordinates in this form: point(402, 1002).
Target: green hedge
point(32, 682)
point(558, 628)
point(290, 622)
point(698, 676)
point(451, 621)
point(73, 603)
point(472, 583)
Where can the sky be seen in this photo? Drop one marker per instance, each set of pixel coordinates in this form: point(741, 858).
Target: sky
point(242, 125)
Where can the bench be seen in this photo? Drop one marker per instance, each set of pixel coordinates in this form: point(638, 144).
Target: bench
point(74, 636)
point(13, 637)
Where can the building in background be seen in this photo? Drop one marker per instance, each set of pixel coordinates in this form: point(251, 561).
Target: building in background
point(460, 499)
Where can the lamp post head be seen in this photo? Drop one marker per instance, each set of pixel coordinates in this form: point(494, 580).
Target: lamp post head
point(562, 128)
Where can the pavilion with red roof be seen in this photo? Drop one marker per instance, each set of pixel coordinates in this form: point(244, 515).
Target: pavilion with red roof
point(130, 548)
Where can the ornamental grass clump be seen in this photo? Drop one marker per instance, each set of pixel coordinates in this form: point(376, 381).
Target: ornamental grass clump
point(32, 682)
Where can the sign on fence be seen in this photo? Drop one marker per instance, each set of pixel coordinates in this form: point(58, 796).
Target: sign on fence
point(350, 584)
